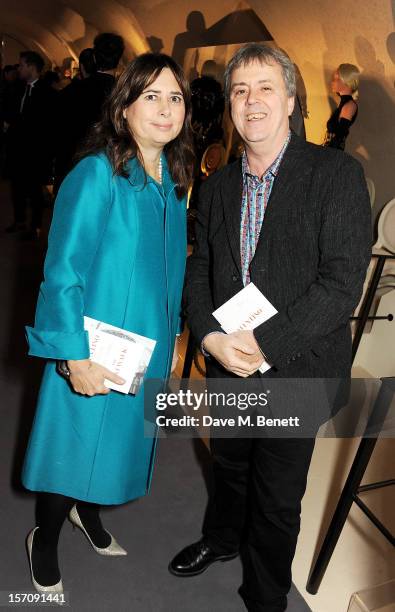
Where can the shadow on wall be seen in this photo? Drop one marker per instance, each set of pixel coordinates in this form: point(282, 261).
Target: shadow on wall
point(156, 44)
point(391, 39)
point(193, 37)
point(391, 48)
point(372, 139)
point(235, 28)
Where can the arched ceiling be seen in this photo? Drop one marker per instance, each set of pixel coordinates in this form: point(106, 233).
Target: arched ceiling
point(62, 29)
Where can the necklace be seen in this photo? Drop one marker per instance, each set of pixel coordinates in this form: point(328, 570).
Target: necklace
point(160, 171)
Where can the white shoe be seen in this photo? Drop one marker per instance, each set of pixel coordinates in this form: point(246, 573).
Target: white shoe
point(53, 588)
point(112, 550)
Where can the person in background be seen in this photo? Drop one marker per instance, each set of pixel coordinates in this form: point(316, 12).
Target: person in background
point(108, 49)
point(30, 144)
point(69, 131)
point(207, 111)
point(10, 94)
point(345, 82)
point(86, 63)
point(52, 79)
point(81, 103)
point(116, 253)
point(9, 88)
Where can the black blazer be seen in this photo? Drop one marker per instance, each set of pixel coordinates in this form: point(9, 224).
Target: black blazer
point(31, 135)
point(80, 105)
point(310, 261)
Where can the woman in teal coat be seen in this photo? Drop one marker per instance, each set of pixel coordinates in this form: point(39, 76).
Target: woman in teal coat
point(116, 253)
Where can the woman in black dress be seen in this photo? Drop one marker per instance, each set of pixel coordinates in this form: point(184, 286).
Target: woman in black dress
point(345, 82)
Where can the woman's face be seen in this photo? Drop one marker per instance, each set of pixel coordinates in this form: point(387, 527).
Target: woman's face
point(157, 116)
point(337, 84)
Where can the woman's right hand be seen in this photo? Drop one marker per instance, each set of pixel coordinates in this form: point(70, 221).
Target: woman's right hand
point(87, 377)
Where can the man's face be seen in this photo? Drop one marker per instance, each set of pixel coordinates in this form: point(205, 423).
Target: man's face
point(259, 103)
point(24, 70)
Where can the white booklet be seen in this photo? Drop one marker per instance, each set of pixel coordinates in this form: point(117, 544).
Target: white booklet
point(121, 351)
point(244, 311)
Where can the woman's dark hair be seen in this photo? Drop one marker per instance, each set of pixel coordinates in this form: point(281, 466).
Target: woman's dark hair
point(112, 133)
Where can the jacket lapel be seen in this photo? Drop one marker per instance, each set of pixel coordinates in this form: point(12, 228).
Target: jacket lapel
point(292, 168)
point(231, 195)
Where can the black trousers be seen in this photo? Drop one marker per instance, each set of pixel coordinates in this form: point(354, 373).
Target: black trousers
point(259, 485)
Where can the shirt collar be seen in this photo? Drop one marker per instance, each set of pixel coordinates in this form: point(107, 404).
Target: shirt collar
point(273, 168)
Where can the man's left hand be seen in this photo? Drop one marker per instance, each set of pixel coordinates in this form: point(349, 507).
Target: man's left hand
point(249, 339)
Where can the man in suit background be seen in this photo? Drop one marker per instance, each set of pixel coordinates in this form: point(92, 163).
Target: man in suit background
point(30, 144)
point(294, 219)
point(81, 102)
point(10, 87)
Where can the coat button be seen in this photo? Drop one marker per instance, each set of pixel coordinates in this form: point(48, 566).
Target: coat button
point(235, 278)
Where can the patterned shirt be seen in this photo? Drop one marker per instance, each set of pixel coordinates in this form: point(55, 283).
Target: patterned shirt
point(256, 193)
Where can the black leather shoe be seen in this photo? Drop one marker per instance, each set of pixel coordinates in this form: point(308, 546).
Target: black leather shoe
point(196, 558)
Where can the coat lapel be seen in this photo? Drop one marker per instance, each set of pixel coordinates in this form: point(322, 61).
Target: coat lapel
point(231, 192)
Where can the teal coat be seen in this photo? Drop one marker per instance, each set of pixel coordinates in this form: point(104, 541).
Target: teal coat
point(116, 252)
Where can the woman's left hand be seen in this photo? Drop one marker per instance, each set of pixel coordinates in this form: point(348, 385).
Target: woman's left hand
point(175, 357)
point(87, 377)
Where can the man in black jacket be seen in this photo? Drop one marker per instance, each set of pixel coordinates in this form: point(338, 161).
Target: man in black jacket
point(294, 219)
point(81, 103)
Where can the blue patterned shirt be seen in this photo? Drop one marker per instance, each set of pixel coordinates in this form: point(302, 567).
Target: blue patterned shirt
point(256, 193)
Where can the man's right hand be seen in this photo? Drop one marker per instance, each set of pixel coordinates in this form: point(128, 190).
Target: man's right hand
point(87, 377)
point(235, 352)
